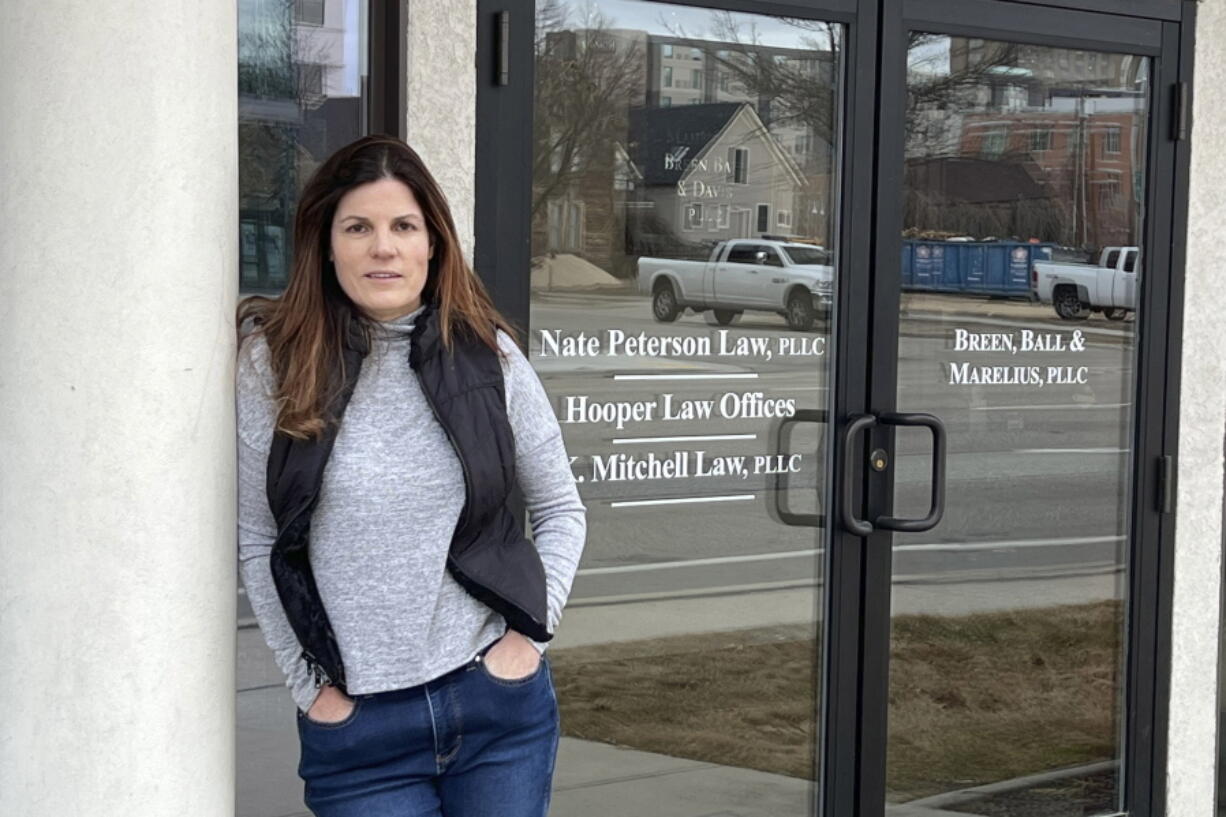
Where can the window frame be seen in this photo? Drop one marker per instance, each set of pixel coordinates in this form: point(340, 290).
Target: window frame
point(761, 208)
point(1111, 140)
point(690, 209)
point(1144, 773)
point(733, 165)
point(301, 19)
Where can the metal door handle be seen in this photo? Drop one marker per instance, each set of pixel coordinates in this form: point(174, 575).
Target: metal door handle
point(853, 523)
point(861, 422)
point(779, 509)
point(936, 507)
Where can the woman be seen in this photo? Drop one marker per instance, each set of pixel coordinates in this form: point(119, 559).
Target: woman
point(385, 413)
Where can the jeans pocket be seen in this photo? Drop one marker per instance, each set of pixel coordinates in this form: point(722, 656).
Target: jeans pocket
point(307, 720)
point(512, 682)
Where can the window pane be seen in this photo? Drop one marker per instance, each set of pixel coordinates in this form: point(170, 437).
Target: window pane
point(301, 95)
point(310, 12)
point(1008, 639)
point(678, 141)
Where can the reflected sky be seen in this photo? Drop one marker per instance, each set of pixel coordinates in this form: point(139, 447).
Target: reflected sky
point(929, 57)
point(698, 23)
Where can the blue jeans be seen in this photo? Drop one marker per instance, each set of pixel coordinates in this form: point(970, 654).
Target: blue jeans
point(467, 744)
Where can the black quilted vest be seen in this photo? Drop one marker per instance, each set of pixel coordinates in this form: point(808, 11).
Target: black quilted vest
point(489, 555)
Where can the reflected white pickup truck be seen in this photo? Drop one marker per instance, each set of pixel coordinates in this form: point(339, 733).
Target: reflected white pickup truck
point(1076, 290)
point(791, 279)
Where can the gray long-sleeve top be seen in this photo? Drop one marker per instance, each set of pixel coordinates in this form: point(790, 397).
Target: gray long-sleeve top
point(392, 494)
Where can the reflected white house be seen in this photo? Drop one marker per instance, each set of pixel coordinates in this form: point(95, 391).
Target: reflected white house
point(714, 171)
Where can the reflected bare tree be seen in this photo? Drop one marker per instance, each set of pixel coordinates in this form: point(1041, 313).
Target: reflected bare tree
point(960, 184)
point(798, 89)
point(937, 89)
point(587, 77)
point(793, 88)
point(787, 93)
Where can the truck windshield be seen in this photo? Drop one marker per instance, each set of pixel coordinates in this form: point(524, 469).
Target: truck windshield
point(806, 255)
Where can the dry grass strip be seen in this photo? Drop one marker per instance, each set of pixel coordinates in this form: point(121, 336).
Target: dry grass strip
point(973, 699)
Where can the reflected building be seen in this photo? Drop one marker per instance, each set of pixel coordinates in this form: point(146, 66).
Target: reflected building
point(1046, 143)
point(301, 95)
point(677, 144)
point(1083, 150)
point(713, 171)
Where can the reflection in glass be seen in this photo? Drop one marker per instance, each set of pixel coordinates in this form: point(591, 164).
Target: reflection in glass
point(301, 95)
point(683, 227)
point(1023, 215)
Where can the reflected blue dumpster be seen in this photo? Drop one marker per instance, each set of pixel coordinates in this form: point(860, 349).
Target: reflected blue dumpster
point(987, 268)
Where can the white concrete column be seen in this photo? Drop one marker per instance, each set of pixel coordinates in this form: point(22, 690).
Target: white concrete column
point(1192, 755)
point(118, 278)
point(442, 101)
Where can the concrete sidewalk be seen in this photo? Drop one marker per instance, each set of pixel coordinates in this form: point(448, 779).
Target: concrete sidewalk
point(773, 604)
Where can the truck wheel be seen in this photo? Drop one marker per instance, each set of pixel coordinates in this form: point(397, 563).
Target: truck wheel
point(725, 316)
point(1068, 304)
point(1115, 314)
point(664, 304)
point(800, 312)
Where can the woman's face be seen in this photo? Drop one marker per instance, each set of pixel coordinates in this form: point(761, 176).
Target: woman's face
point(381, 248)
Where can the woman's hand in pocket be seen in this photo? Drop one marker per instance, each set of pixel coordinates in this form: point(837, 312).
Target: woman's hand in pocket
point(331, 706)
point(512, 656)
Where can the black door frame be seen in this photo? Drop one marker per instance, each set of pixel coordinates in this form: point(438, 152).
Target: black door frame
point(857, 628)
point(385, 89)
point(1074, 25)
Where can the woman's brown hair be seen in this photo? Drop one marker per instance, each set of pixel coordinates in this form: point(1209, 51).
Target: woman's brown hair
point(306, 326)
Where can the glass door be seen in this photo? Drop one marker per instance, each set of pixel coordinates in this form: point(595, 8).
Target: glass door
point(851, 317)
point(1015, 226)
point(684, 222)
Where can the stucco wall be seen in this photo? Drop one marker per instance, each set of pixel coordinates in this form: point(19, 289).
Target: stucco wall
point(442, 100)
point(1198, 538)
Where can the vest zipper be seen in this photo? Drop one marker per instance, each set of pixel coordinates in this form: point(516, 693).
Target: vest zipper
point(313, 667)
